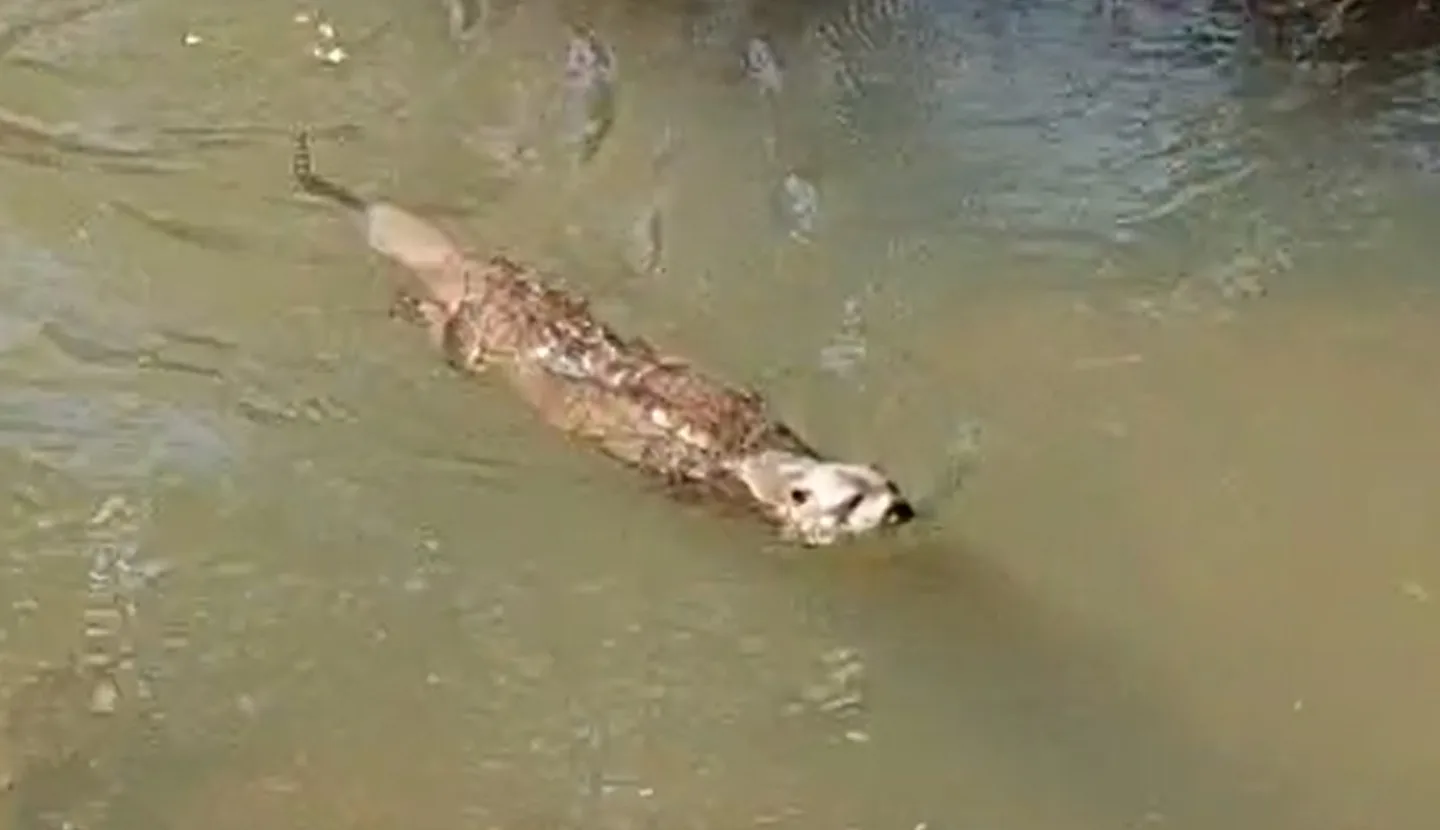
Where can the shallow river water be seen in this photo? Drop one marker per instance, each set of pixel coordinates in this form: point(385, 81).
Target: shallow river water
point(1151, 319)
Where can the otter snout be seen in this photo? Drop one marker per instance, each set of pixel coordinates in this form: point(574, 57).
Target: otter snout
point(821, 502)
point(899, 513)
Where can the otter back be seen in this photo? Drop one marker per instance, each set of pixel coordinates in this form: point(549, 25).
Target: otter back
point(656, 412)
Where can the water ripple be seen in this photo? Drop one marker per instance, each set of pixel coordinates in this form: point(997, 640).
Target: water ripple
point(115, 437)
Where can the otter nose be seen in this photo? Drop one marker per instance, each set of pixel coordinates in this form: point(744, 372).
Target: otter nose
point(899, 513)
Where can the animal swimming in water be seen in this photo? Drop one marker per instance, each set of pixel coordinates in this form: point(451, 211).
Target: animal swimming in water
point(653, 411)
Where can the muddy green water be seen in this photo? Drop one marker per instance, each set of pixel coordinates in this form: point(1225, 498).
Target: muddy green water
point(1171, 308)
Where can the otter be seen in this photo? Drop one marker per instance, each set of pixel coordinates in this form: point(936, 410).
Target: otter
point(697, 434)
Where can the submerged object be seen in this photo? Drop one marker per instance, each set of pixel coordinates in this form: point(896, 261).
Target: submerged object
point(589, 105)
point(797, 204)
point(465, 15)
point(646, 242)
point(763, 67)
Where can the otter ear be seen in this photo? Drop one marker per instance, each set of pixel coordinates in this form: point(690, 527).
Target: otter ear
point(774, 477)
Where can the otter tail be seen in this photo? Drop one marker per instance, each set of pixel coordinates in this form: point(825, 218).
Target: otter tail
point(303, 167)
point(389, 229)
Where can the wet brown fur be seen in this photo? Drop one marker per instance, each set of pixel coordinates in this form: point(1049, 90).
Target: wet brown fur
point(648, 409)
point(651, 410)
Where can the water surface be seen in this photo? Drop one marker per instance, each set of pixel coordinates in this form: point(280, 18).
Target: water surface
point(1169, 306)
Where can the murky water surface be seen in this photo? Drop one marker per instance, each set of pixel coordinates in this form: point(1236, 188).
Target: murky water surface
point(1170, 308)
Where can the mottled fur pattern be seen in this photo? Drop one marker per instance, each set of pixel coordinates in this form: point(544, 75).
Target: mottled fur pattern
point(649, 409)
point(653, 411)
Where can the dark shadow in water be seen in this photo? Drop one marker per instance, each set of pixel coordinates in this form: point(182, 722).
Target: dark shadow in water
point(131, 786)
point(13, 35)
point(206, 235)
point(84, 349)
point(1341, 30)
point(1028, 687)
point(52, 795)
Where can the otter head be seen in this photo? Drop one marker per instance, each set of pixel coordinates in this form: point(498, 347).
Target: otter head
point(820, 502)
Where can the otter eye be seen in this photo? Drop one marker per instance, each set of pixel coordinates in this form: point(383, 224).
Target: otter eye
point(798, 496)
